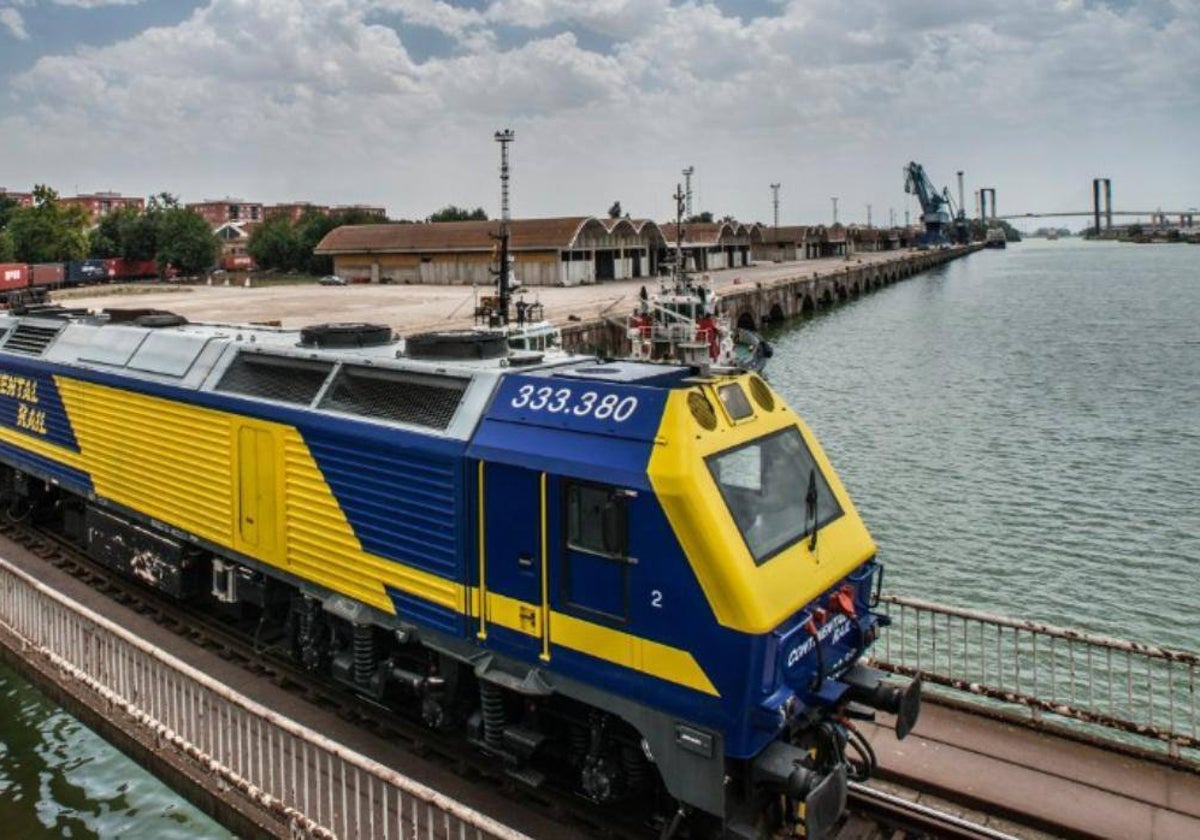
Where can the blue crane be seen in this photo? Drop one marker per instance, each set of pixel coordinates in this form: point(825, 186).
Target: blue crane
point(934, 206)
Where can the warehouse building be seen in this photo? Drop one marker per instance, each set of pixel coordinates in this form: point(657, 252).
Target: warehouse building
point(781, 244)
point(545, 252)
point(712, 246)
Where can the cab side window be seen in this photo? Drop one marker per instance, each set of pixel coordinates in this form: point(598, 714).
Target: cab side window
point(596, 561)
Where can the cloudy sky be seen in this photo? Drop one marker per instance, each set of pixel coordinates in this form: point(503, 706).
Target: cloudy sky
point(395, 102)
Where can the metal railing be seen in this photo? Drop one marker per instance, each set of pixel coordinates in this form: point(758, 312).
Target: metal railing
point(1133, 688)
point(318, 788)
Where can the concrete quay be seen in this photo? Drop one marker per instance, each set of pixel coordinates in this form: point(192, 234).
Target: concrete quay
point(1057, 786)
point(592, 316)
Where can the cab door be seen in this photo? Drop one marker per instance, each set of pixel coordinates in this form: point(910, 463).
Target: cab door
point(513, 574)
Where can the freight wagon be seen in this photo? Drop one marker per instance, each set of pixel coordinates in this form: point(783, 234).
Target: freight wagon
point(80, 272)
point(15, 287)
point(47, 274)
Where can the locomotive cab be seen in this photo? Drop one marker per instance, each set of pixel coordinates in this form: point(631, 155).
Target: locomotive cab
point(684, 541)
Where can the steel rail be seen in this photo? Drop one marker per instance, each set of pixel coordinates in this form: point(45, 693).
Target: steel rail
point(901, 814)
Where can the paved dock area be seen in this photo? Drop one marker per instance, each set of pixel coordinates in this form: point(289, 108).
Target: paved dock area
point(1070, 789)
point(417, 308)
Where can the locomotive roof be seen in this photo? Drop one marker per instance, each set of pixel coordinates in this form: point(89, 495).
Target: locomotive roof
point(378, 383)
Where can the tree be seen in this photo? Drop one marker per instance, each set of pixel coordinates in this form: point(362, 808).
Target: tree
point(273, 245)
point(185, 241)
point(47, 231)
point(8, 206)
point(127, 232)
point(7, 249)
point(451, 213)
point(705, 218)
point(614, 212)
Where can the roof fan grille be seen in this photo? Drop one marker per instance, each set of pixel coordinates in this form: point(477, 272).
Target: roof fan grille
point(295, 381)
point(402, 396)
point(30, 339)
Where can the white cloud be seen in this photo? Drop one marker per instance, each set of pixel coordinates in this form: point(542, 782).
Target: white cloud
point(95, 4)
point(322, 99)
point(11, 20)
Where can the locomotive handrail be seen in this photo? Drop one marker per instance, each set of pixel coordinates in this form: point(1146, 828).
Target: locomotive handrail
point(1111, 685)
point(320, 788)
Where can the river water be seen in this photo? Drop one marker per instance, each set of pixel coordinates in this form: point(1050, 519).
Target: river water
point(58, 779)
point(1020, 430)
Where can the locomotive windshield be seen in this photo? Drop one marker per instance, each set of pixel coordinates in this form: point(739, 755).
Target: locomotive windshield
point(775, 492)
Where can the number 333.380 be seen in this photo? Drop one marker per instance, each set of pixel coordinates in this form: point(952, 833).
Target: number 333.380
point(567, 401)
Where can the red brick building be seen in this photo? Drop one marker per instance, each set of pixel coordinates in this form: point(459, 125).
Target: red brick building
point(98, 205)
point(378, 212)
point(23, 199)
point(219, 211)
point(292, 212)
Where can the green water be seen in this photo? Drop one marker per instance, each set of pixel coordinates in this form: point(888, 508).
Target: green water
point(58, 779)
point(1020, 429)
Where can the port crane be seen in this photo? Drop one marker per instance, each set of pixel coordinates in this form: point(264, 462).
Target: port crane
point(934, 206)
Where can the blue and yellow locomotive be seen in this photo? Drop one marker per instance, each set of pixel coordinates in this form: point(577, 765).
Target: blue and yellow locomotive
point(644, 578)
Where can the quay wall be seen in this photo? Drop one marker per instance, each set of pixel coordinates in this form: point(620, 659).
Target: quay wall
point(760, 304)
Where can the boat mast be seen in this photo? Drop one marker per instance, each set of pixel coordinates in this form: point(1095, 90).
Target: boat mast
point(678, 274)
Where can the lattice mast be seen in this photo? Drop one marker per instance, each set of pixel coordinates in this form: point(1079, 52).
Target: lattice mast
point(504, 294)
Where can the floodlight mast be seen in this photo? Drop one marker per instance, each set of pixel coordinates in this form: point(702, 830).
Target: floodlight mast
point(687, 178)
point(504, 138)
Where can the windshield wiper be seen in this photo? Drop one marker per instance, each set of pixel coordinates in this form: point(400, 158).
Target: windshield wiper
point(810, 507)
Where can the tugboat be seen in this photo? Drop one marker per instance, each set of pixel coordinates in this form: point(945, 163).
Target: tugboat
point(683, 322)
point(530, 331)
point(996, 238)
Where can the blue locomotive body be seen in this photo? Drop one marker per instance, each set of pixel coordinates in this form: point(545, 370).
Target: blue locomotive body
point(601, 566)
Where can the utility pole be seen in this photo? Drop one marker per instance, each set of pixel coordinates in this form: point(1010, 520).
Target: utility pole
point(834, 200)
point(687, 179)
point(775, 200)
point(504, 138)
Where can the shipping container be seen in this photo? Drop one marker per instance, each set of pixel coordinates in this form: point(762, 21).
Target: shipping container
point(85, 271)
point(47, 274)
point(13, 276)
point(237, 262)
point(135, 269)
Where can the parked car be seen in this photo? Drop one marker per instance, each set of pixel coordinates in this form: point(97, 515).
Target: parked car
point(332, 280)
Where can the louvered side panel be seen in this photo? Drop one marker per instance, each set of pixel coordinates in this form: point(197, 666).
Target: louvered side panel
point(402, 504)
point(322, 545)
point(166, 459)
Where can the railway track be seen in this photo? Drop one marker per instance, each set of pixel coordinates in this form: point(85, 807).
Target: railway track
point(873, 813)
point(894, 814)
